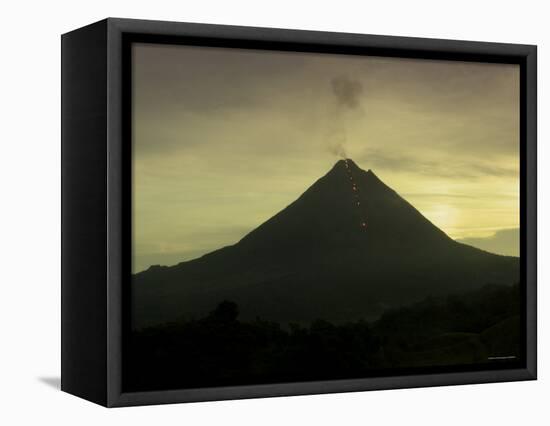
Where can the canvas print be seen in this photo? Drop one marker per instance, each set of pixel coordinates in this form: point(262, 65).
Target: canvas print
point(309, 217)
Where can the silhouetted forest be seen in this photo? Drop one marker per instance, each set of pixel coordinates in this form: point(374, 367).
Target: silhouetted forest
point(477, 327)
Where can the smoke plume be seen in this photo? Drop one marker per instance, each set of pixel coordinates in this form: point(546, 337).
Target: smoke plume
point(347, 96)
point(347, 92)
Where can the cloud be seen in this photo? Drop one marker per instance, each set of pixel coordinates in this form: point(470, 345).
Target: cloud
point(504, 241)
point(445, 167)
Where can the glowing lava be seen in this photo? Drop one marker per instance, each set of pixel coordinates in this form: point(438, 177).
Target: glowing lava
point(355, 190)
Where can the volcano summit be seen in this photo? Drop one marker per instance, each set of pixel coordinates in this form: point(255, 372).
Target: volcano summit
point(348, 248)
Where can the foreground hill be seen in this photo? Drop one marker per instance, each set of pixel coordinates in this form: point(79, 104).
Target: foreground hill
point(481, 328)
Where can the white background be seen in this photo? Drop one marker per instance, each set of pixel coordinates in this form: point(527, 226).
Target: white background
point(30, 200)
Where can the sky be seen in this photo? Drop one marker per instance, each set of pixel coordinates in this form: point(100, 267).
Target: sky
point(223, 139)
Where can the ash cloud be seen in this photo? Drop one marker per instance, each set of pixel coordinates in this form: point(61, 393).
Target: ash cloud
point(347, 94)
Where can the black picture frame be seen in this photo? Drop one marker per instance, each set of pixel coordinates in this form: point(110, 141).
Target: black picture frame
point(96, 182)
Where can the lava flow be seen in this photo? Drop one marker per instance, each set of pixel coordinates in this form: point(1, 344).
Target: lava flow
point(355, 190)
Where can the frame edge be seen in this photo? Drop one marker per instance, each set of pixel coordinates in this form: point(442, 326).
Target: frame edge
point(83, 219)
point(117, 27)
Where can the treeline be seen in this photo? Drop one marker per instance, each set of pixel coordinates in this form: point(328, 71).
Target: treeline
point(220, 350)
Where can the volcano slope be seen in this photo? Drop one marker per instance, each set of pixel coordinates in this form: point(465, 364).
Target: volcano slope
point(348, 248)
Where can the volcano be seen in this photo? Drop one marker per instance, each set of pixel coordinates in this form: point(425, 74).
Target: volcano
point(348, 248)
